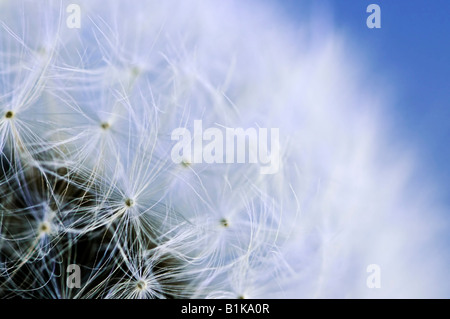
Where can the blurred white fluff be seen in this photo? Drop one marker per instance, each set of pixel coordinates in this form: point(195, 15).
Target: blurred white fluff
point(104, 99)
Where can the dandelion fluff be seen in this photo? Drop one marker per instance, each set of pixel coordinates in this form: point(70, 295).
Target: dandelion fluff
point(86, 117)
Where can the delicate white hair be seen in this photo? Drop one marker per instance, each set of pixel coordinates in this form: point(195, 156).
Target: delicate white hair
point(87, 178)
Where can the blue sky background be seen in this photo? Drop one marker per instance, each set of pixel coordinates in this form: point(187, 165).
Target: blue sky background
point(413, 49)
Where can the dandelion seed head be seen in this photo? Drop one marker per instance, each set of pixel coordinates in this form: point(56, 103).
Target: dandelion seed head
point(142, 226)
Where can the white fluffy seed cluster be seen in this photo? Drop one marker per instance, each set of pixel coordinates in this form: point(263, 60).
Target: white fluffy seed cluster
point(86, 117)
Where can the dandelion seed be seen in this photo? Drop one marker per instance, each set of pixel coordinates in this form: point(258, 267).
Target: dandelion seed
point(141, 285)
point(129, 202)
point(186, 163)
point(44, 228)
point(41, 50)
point(105, 125)
point(224, 222)
point(135, 71)
point(9, 114)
